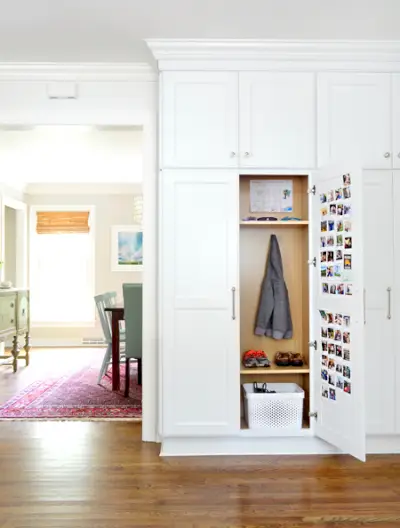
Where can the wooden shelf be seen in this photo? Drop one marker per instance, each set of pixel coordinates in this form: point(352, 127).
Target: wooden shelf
point(274, 369)
point(279, 223)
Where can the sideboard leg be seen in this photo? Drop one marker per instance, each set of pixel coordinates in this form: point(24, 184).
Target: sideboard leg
point(27, 347)
point(15, 353)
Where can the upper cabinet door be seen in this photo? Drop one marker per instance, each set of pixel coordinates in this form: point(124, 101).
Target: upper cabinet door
point(354, 119)
point(277, 120)
point(199, 119)
point(338, 309)
point(199, 302)
point(396, 119)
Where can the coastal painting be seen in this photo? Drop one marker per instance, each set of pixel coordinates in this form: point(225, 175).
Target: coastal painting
point(127, 248)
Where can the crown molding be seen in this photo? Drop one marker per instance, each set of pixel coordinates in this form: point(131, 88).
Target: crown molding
point(274, 50)
point(42, 71)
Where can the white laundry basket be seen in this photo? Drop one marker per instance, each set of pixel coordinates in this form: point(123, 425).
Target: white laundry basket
point(280, 410)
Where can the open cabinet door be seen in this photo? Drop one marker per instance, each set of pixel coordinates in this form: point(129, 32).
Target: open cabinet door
point(337, 319)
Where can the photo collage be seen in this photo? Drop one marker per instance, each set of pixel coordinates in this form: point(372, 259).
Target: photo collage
point(336, 364)
point(336, 242)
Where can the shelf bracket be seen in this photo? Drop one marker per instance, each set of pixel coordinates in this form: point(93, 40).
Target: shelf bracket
point(313, 344)
point(312, 190)
point(313, 262)
point(313, 415)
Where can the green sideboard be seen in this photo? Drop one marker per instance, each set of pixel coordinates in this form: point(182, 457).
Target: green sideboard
point(15, 322)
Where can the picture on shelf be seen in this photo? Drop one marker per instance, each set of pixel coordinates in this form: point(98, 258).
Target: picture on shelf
point(127, 248)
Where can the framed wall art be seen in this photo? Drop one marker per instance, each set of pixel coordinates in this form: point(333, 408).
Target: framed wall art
point(127, 248)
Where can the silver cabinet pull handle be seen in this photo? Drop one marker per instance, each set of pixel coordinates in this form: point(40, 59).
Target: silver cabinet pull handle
point(389, 313)
point(233, 302)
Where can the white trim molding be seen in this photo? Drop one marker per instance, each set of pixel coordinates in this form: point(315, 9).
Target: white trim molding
point(107, 72)
point(313, 55)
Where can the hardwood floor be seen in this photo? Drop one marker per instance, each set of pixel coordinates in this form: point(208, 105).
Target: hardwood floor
point(100, 475)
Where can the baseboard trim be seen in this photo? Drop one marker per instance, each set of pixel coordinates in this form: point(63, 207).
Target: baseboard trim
point(61, 343)
point(186, 446)
point(245, 446)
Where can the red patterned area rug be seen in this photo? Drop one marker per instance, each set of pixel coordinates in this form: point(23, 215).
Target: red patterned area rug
point(76, 396)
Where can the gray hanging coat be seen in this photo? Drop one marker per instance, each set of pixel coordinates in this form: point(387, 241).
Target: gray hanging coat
point(273, 317)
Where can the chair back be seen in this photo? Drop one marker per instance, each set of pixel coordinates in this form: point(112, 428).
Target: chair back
point(103, 301)
point(133, 301)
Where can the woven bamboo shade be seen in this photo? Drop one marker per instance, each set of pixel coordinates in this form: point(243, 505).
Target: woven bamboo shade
point(62, 222)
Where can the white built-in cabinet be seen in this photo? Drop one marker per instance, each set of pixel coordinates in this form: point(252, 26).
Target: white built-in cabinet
point(201, 113)
point(277, 118)
point(218, 130)
point(199, 303)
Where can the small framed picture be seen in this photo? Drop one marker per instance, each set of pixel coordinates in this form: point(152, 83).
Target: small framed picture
point(331, 319)
point(322, 198)
point(346, 338)
point(346, 193)
point(332, 394)
point(324, 346)
point(349, 289)
point(330, 257)
point(332, 209)
point(331, 364)
point(339, 210)
point(323, 256)
point(331, 225)
point(339, 368)
point(339, 383)
point(339, 254)
point(340, 289)
point(330, 272)
point(339, 352)
point(347, 387)
point(325, 287)
point(324, 392)
point(324, 226)
point(332, 289)
point(337, 271)
point(323, 242)
point(346, 372)
point(331, 349)
point(347, 226)
point(339, 240)
point(346, 354)
point(339, 226)
point(331, 196)
point(338, 335)
point(346, 320)
point(323, 270)
point(347, 261)
point(339, 194)
point(348, 242)
point(338, 319)
point(324, 374)
point(126, 248)
point(331, 333)
point(330, 241)
point(324, 332)
point(346, 180)
point(347, 210)
point(324, 211)
point(331, 379)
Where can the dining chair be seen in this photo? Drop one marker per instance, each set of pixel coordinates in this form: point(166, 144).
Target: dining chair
point(133, 302)
point(103, 301)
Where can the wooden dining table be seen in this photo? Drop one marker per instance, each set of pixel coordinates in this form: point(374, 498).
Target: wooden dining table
point(117, 315)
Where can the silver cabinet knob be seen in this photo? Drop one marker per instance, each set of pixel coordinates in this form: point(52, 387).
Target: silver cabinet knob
point(247, 154)
point(387, 154)
point(233, 154)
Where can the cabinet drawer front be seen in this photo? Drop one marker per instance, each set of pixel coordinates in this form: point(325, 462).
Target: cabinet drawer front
point(22, 311)
point(7, 312)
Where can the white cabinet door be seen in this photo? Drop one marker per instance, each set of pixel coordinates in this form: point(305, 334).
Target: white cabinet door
point(379, 295)
point(338, 309)
point(396, 293)
point(199, 302)
point(277, 119)
point(199, 119)
point(396, 119)
point(354, 119)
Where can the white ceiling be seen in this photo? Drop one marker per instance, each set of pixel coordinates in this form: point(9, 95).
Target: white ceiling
point(113, 30)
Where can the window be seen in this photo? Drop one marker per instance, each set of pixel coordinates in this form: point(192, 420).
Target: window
point(62, 266)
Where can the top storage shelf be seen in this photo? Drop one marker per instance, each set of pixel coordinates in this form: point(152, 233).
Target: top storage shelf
point(281, 223)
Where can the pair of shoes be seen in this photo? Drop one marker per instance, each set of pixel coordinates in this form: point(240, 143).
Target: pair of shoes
point(289, 359)
point(255, 358)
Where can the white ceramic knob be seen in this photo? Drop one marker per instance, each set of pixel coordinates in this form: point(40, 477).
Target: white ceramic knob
point(387, 154)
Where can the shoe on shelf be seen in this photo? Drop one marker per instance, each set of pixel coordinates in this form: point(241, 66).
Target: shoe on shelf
point(255, 359)
point(297, 360)
point(283, 359)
